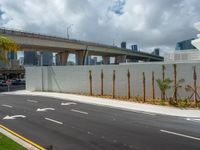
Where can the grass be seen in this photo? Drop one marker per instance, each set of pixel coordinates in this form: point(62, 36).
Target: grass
point(8, 144)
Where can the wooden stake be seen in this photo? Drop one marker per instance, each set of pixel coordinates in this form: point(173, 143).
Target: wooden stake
point(163, 78)
point(195, 84)
point(129, 85)
point(175, 84)
point(102, 76)
point(153, 85)
point(144, 87)
point(113, 88)
point(90, 78)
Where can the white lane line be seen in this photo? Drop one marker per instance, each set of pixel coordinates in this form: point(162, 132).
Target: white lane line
point(179, 134)
point(32, 101)
point(4, 105)
point(78, 111)
point(193, 119)
point(55, 121)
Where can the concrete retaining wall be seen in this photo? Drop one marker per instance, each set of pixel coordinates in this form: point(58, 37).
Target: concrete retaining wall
point(75, 79)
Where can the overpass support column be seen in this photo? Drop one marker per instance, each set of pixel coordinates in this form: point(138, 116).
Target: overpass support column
point(80, 58)
point(62, 58)
point(106, 60)
point(120, 59)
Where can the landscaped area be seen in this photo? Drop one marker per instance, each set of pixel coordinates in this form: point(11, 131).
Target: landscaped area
point(8, 144)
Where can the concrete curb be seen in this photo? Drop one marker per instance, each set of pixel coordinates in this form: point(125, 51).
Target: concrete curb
point(117, 104)
point(20, 139)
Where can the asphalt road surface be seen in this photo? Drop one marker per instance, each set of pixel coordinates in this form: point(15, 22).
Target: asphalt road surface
point(68, 125)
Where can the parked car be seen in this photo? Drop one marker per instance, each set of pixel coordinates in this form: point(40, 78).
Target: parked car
point(18, 82)
point(3, 83)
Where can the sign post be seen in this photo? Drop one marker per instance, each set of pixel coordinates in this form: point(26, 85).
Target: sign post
point(8, 83)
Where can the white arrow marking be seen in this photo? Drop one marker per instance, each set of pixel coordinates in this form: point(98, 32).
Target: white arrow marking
point(14, 117)
point(44, 109)
point(6, 106)
point(69, 103)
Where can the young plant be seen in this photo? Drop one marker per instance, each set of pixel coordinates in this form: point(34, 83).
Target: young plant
point(163, 86)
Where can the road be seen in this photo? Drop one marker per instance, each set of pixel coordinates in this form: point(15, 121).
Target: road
point(68, 125)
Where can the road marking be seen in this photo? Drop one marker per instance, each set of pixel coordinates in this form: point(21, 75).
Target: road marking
point(13, 117)
point(44, 109)
point(69, 103)
point(195, 120)
point(179, 134)
point(6, 106)
point(32, 101)
point(58, 122)
point(146, 113)
point(78, 111)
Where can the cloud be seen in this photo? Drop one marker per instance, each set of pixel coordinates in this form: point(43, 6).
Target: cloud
point(118, 6)
point(150, 24)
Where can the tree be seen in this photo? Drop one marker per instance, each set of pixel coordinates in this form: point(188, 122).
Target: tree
point(163, 86)
point(6, 45)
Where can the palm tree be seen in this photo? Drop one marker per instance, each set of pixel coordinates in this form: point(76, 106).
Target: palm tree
point(163, 86)
point(6, 45)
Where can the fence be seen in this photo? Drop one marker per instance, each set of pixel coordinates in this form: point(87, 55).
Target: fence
point(130, 79)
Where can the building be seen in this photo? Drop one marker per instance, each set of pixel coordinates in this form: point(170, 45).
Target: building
point(123, 45)
point(196, 42)
point(134, 47)
point(47, 58)
point(183, 55)
point(30, 58)
point(188, 50)
point(156, 52)
point(185, 45)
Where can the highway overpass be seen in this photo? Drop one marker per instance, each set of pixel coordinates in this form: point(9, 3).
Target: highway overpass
point(64, 46)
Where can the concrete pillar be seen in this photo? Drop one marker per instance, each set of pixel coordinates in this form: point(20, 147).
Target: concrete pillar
point(120, 59)
point(79, 57)
point(106, 60)
point(62, 58)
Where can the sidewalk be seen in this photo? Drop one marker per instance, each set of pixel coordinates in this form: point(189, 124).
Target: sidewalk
point(130, 106)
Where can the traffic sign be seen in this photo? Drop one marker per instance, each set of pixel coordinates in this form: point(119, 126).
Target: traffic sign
point(8, 82)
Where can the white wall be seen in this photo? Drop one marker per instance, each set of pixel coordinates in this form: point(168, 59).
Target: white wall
point(75, 79)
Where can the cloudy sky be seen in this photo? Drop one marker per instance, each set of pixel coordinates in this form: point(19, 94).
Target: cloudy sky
point(148, 23)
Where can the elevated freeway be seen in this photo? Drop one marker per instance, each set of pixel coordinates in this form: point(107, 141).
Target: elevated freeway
point(64, 46)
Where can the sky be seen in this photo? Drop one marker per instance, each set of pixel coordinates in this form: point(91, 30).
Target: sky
point(148, 23)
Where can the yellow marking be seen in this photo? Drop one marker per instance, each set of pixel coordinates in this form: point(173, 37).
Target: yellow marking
point(23, 138)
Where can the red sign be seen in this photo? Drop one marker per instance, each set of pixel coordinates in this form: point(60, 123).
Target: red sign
point(8, 82)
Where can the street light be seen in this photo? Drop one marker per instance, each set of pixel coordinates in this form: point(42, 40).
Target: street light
point(68, 27)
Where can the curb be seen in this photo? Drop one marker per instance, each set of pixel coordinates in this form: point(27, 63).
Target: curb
point(20, 139)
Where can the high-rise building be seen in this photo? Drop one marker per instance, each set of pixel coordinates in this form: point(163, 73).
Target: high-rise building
point(123, 45)
point(134, 47)
point(30, 58)
point(156, 52)
point(185, 45)
point(47, 58)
